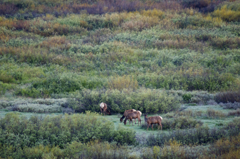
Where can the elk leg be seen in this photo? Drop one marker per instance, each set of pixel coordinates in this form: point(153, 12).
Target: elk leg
point(161, 125)
point(122, 118)
point(152, 126)
point(147, 127)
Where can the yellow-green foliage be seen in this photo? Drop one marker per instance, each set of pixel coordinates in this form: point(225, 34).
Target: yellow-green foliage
point(122, 82)
point(136, 20)
point(48, 17)
point(172, 149)
point(93, 149)
point(222, 148)
point(227, 14)
point(152, 13)
point(225, 148)
point(5, 86)
point(215, 20)
point(12, 73)
point(61, 136)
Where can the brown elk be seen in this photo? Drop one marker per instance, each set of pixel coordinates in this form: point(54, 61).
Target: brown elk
point(103, 109)
point(153, 120)
point(126, 112)
point(133, 115)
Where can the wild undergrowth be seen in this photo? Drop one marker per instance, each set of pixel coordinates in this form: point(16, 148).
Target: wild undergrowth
point(221, 148)
point(17, 131)
point(200, 135)
point(147, 55)
point(176, 123)
point(118, 46)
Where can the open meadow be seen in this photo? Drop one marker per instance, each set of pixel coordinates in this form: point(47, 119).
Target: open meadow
point(178, 59)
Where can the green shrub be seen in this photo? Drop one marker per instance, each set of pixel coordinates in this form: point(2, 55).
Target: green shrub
point(5, 87)
point(193, 21)
point(59, 130)
point(94, 149)
point(190, 136)
point(227, 14)
point(187, 97)
point(37, 108)
point(145, 100)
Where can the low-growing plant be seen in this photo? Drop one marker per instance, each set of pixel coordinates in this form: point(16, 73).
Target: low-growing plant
point(211, 102)
point(93, 149)
point(177, 123)
point(211, 113)
point(230, 105)
point(60, 130)
point(226, 97)
point(234, 113)
point(221, 148)
point(36, 108)
point(5, 87)
point(189, 113)
point(68, 111)
point(201, 135)
point(187, 97)
point(191, 136)
point(124, 82)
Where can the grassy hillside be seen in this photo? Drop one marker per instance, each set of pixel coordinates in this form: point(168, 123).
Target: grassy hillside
point(61, 50)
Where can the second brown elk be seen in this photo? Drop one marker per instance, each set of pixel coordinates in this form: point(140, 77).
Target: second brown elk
point(133, 115)
point(153, 120)
point(126, 112)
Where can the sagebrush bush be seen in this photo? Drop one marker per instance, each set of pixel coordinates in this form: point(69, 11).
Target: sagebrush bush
point(211, 113)
point(36, 108)
point(230, 105)
point(226, 97)
point(234, 113)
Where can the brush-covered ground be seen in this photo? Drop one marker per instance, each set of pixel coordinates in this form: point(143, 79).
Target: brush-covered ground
point(178, 59)
point(210, 125)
